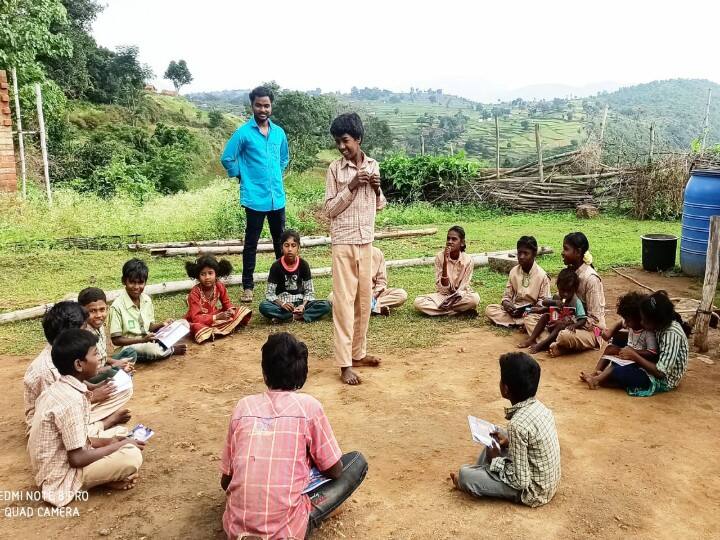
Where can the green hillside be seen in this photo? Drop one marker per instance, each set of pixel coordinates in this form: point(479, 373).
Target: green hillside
point(676, 108)
point(450, 123)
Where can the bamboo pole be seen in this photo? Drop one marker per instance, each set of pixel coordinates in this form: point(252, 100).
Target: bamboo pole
point(305, 241)
point(479, 259)
point(712, 266)
point(43, 142)
point(652, 142)
point(497, 148)
point(602, 127)
point(706, 124)
point(21, 135)
point(538, 145)
point(534, 163)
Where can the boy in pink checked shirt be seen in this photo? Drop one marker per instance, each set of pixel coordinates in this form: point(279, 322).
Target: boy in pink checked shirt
point(273, 441)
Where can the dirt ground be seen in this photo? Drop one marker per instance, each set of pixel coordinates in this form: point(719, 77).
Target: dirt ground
point(643, 467)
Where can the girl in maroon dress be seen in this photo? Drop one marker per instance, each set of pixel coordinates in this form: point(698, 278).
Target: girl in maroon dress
point(210, 312)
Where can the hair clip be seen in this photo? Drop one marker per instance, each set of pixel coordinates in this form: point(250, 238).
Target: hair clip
point(653, 302)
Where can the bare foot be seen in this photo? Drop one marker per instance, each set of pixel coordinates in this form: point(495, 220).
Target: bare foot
point(180, 349)
point(590, 380)
point(534, 349)
point(118, 417)
point(454, 479)
point(525, 343)
point(348, 376)
point(128, 483)
point(368, 361)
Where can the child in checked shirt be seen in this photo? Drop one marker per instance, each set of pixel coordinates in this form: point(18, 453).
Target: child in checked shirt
point(274, 440)
point(352, 198)
point(524, 464)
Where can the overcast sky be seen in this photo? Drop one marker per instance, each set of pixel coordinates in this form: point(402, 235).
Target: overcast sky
point(481, 50)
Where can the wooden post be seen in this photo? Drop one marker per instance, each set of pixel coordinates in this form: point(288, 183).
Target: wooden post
point(706, 124)
point(712, 265)
point(43, 142)
point(21, 142)
point(538, 144)
point(652, 142)
point(497, 148)
point(422, 143)
point(620, 151)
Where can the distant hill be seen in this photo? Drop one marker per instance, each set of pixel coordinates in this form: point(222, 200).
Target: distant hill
point(443, 122)
point(675, 106)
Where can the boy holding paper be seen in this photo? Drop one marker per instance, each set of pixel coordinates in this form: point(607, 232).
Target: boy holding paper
point(65, 457)
point(522, 464)
point(132, 317)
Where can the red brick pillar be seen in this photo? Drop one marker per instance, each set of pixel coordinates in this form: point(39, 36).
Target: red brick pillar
point(8, 175)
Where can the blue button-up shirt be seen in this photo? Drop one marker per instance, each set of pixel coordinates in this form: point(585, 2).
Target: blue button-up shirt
point(258, 161)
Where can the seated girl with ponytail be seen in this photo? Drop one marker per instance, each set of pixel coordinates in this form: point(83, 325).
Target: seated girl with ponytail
point(576, 255)
point(207, 319)
point(644, 377)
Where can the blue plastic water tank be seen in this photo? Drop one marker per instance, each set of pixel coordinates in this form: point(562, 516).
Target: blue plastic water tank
point(702, 200)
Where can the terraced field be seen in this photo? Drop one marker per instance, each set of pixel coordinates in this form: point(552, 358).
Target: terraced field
point(517, 143)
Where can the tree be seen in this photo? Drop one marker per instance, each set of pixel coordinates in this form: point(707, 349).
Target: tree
point(305, 119)
point(215, 118)
point(115, 73)
point(26, 34)
point(72, 73)
point(179, 74)
point(378, 137)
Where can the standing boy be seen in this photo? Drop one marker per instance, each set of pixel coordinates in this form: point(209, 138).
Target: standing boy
point(352, 197)
point(523, 465)
point(257, 155)
point(132, 317)
point(290, 291)
point(105, 403)
point(64, 458)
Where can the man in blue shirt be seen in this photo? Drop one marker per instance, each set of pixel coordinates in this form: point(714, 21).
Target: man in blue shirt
point(257, 155)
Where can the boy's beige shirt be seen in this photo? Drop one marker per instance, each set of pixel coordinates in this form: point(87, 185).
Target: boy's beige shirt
point(351, 213)
point(59, 425)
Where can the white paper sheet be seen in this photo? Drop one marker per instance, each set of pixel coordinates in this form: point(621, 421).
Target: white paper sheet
point(481, 430)
point(173, 333)
point(122, 381)
point(617, 360)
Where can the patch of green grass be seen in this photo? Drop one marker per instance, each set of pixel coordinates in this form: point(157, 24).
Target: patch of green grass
point(41, 276)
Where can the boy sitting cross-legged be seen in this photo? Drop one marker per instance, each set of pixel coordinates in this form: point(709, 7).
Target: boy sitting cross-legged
point(132, 317)
point(524, 464)
point(95, 303)
point(273, 440)
point(106, 404)
point(64, 458)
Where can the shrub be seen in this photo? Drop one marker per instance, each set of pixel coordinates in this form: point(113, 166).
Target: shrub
point(427, 177)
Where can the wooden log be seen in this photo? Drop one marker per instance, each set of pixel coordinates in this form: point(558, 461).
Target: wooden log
point(305, 241)
point(479, 259)
point(712, 266)
point(209, 243)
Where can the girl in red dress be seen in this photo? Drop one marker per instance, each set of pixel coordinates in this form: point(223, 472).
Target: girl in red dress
point(208, 319)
